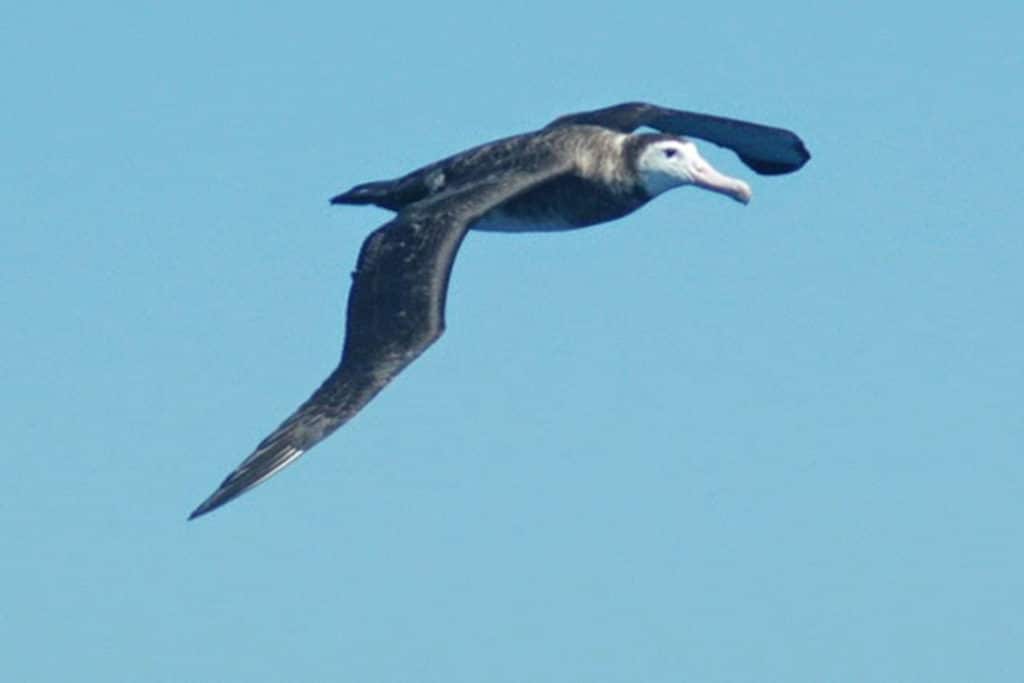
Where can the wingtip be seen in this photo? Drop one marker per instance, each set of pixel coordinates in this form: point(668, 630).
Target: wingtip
point(803, 152)
point(779, 164)
point(202, 510)
point(216, 499)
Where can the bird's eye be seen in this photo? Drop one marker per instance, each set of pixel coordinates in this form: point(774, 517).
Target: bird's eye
point(670, 152)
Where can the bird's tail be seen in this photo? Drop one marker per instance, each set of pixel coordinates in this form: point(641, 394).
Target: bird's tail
point(376, 192)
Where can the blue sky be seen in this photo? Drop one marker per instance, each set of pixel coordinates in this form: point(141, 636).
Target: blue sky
point(705, 443)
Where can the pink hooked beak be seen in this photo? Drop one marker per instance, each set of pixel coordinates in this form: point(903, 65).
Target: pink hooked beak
point(705, 176)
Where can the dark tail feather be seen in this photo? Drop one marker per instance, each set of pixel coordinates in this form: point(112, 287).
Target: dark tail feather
point(367, 193)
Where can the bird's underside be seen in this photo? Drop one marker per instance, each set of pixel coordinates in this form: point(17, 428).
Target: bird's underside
point(577, 171)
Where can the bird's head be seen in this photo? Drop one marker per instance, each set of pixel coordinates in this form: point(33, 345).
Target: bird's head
point(668, 161)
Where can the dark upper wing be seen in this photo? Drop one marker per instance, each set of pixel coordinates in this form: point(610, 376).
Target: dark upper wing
point(395, 311)
point(765, 149)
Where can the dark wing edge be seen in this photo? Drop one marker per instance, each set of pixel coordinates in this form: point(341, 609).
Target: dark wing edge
point(766, 149)
point(395, 311)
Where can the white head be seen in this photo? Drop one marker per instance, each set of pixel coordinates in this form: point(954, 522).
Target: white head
point(670, 162)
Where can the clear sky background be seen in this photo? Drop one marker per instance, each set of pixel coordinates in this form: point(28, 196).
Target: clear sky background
point(708, 442)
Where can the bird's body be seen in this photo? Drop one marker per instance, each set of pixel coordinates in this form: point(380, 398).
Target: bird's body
point(599, 188)
point(580, 170)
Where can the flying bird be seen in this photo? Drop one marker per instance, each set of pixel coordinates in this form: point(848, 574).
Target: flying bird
point(580, 170)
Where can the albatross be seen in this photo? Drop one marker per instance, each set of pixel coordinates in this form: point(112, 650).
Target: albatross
point(580, 170)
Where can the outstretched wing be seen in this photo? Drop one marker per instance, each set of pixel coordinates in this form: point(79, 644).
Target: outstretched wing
point(395, 311)
point(767, 150)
